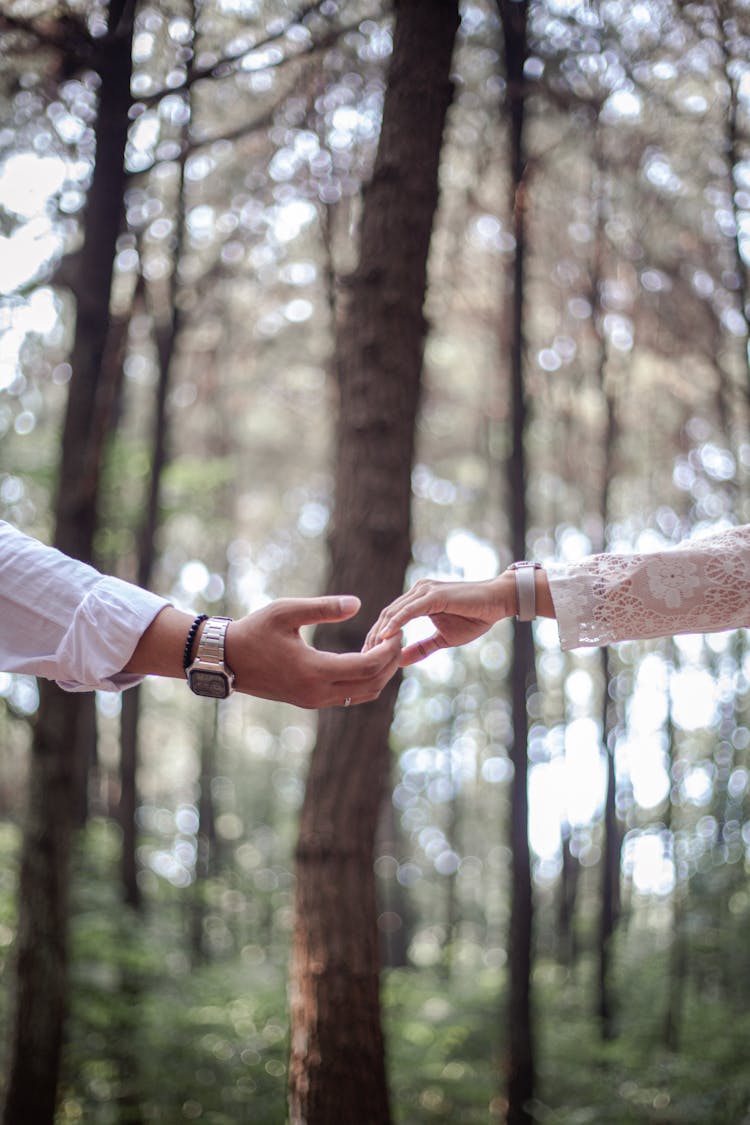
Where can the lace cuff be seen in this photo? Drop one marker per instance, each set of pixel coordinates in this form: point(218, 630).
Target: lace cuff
point(700, 587)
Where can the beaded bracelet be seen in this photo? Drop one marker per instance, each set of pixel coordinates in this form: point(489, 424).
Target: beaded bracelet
point(186, 659)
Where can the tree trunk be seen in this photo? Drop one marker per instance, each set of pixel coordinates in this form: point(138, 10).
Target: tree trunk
point(610, 901)
point(567, 942)
point(166, 323)
point(337, 1071)
point(732, 50)
point(567, 938)
point(677, 970)
point(520, 1062)
point(612, 842)
point(205, 860)
point(42, 943)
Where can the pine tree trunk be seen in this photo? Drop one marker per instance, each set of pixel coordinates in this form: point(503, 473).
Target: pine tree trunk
point(205, 861)
point(55, 771)
point(612, 843)
point(521, 1066)
point(337, 1071)
point(610, 894)
point(166, 323)
point(567, 944)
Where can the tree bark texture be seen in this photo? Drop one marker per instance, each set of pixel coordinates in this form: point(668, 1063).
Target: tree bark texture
point(166, 322)
point(610, 885)
point(567, 943)
point(612, 843)
point(337, 1072)
point(56, 773)
point(165, 331)
point(678, 951)
point(520, 1057)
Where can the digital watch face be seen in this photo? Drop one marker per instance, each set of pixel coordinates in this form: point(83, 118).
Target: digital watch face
point(212, 684)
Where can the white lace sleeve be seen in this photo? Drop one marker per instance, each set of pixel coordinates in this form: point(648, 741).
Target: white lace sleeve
point(702, 586)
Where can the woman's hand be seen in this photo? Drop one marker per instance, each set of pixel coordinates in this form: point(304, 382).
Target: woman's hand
point(460, 612)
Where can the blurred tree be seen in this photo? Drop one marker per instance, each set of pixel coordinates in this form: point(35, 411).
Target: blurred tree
point(520, 1051)
point(58, 766)
point(731, 31)
point(337, 1064)
point(165, 309)
point(677, 969)
point(607, 386)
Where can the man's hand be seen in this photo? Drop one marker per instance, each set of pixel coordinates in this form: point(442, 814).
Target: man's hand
point(270, 659)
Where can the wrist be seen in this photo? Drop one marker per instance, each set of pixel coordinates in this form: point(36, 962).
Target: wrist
point(532, 596)
point(236, 649)
point(504, 598)
point(544, 605)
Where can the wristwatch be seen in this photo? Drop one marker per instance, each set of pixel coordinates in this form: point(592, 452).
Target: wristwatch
point(209, 675)
point(525, 588)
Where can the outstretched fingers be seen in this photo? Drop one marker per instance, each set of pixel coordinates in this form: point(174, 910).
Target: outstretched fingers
point(355, 677)
point(415, 603)
point(378, 662)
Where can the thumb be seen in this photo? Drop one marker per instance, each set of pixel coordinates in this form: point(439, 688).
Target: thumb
point(312, 611)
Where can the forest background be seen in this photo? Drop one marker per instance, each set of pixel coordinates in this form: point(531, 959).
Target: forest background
point(211, 337)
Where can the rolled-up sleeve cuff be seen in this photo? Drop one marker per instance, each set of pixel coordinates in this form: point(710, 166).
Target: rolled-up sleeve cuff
point(103, 635)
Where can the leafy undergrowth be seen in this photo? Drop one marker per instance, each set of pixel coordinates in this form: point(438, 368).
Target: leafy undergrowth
point(445, 1054)
point(153, 1037)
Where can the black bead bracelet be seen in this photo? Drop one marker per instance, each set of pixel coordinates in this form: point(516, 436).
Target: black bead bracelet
point(187, 656)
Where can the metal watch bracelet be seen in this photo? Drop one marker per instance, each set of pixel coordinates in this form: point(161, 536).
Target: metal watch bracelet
point(209, 674)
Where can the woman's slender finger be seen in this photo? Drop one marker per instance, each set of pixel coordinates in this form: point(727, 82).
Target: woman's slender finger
point(423, 606)
point(420, 649)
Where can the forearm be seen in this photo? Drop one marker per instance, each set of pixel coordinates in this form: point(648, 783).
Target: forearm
point(160, 650)
point(545, 607)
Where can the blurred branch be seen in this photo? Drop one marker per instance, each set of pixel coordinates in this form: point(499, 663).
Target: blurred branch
point(68, 34)
point(71, 38)
point(190, 147)
point(227, 65)
point(263, 121)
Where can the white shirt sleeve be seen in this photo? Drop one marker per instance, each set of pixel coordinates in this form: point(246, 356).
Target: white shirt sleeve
point(63, 620)
point(702, 586)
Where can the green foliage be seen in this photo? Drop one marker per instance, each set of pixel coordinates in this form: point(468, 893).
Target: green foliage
point(442, 1037)
point(632, 1079)
point(192, 482)
point(153, 1037)
point(150, 1036)
point(445, 1049)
